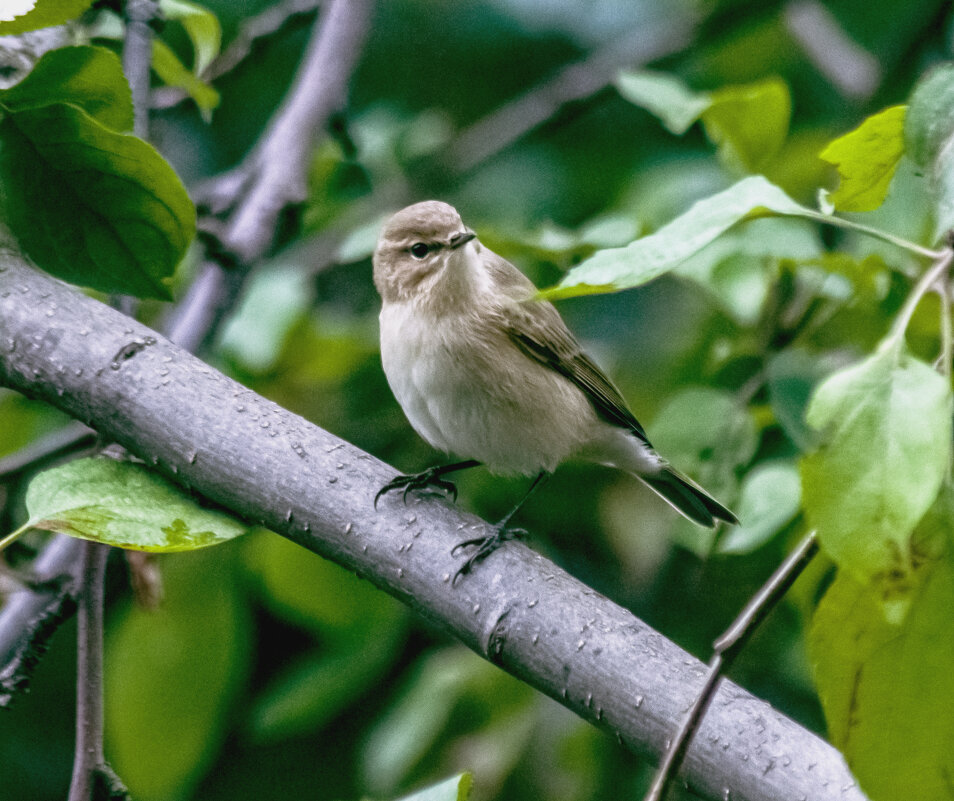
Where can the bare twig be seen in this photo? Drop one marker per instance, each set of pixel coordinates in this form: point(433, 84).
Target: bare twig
point(88, 759)
point(137, 58)
point(62, 442)
point(579, 80)
point(725, 649)
point(274, 174)
point(851, 68)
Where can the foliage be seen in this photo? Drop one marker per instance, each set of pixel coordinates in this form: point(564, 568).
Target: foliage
point(778, 337)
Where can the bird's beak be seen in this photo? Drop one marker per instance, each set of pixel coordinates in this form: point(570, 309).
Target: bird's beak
point(461, 238)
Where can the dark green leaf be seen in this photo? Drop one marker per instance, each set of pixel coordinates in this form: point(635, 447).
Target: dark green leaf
point(91, 206)
point(43, 14)
point(90, 78)
point(173, 674)
point(126, 505)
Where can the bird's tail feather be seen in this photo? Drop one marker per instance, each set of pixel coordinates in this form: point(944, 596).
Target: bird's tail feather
point(687, 497)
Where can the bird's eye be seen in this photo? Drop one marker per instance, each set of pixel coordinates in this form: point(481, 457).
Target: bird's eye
point(419, 250)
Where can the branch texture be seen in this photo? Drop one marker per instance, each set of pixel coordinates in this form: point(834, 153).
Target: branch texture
point(518, 610)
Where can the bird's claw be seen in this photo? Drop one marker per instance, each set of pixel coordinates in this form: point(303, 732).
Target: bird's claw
point(486, 546)
point(427, 481)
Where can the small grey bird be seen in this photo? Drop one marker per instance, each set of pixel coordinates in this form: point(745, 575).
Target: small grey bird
point(485, 371)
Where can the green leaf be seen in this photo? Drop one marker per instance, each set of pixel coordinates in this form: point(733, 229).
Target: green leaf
point(361, 631)
point(316, 594)
point(887, 428)
point(420, 719)
point(886, 688)
point(770, 498)
point(26, 16)
point(867, 159)
point(90, 78)
point(93, 207)
point(311, 692)
point(739, 267)
point(748, 123)
point(665, 96)
point(454, 789)
point(647, 258)
point(202, 27)
point(708, 434)
point(174, 674)
point(929, 136)
point(126, 505)
point(173, 72)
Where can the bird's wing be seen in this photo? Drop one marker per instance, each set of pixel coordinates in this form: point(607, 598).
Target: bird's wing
point(538, 330)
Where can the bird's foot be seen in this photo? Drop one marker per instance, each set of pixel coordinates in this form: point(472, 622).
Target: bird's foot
point(429, 481)
point(486, 545)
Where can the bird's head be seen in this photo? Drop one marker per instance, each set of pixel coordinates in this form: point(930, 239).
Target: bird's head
point(417, 246)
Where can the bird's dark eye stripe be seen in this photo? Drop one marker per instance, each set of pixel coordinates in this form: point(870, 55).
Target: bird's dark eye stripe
point(419, 250)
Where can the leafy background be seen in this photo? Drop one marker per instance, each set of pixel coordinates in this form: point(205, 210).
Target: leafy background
point(269, 673)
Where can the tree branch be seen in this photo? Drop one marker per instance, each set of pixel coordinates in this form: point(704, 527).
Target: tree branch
point(518, 610)
point(30, 616)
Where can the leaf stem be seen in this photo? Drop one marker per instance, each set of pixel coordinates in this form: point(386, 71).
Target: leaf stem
point(877, 233)
point(942, 263)
point(13, 536)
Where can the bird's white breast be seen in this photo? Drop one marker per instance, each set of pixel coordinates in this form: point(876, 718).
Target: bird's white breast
point(477, 395)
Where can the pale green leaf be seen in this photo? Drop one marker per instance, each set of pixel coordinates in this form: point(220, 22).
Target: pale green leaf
point(91, 206)
point(769, 499)
point(665, 96)
point(929, 138)
point(453, 789)
point(748, 122)
point(29, 16)
point(886, 688)
point(202, 27)
point(126, 505)
point(88, 77)
point(173, 72)
point(886, 424)
point(867, 159)
point(647, 258)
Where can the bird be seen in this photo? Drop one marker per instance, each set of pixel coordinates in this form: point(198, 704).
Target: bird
point(486, 370)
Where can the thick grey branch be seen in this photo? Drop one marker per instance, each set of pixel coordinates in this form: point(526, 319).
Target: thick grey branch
point(518, 610)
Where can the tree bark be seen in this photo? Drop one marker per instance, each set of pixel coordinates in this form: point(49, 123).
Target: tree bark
point(518, 610)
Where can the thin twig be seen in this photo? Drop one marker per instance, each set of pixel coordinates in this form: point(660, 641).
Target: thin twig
point(137, 58)
point(725, 649)
point(62, 442)
point(88, 759)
